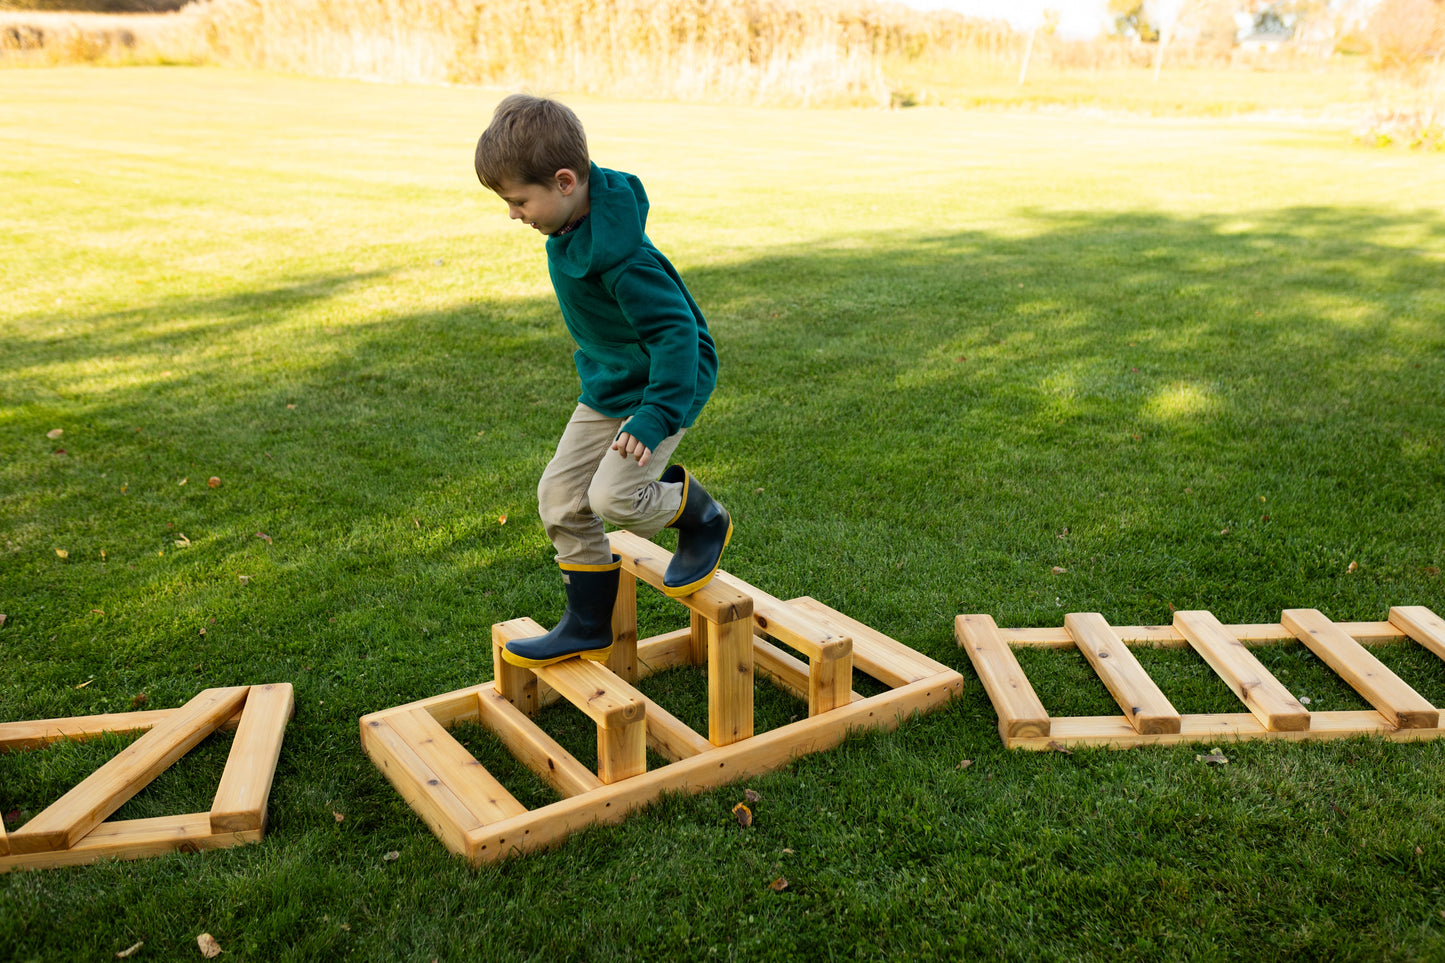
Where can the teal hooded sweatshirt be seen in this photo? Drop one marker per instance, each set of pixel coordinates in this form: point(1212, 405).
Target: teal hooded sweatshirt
point(643, 348)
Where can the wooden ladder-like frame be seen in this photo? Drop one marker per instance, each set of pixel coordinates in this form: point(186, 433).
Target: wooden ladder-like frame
point(1399, 713)
point(733, 628)
point(72, 831)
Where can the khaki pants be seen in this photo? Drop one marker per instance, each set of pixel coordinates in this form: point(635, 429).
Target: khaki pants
point(587, 482)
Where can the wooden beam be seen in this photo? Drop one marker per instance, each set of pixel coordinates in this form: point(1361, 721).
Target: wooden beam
point(1146, 707)
point(1422, 625)
point(670, 737)
point(104, 791)
point(1392, 696)
point(420, 785)
point(663, 652)
point(785, 670)
point(457, 769)
point(592, 688)
point(622, 751)
point(1115, 732)
point(532, 746)
point(1263, 694)
point(1020, 713)
point(792, 625)
point(875, 654)
point(136, 839)
point(622, 660)
point(36, 734)
point(715, 601)
point(245, 787)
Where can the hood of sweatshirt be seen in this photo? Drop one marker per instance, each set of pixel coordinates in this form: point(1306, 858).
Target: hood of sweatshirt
point(615, 227)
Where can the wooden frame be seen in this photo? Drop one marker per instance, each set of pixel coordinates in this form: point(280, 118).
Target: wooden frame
point(732, 630)
point(1399, 712)
point(73, 831)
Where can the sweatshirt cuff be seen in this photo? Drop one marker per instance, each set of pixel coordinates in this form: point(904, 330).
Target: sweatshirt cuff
point(646, 428)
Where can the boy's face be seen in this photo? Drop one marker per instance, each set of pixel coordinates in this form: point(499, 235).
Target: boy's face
point(546, 207)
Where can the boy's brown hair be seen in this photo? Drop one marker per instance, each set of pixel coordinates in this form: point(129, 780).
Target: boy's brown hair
point(529, 140)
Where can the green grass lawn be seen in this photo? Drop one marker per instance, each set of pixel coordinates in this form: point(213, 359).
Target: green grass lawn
point(1194, 363)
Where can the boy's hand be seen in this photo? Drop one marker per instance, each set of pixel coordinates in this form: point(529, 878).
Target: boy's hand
point(627, 446)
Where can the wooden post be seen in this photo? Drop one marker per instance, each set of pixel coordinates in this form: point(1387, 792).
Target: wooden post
point(830, 682)
point(1401, 705)
point(517, 684)
point(1145, 706)
point(729, 681)
point(1263, 694)
point(619, 710)
point(622, 660)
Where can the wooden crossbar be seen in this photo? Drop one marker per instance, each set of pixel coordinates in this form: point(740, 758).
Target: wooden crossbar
point(73, 830)
point(1400, 712)
point(722, 622)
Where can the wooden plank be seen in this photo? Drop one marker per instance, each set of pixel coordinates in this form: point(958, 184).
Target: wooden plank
point(136, 839)
point(421, 786)
point(458, 769)
point(715, 601)
point(1372, 679)
point(245, 787)
point(532, 747)
point(1263, 694)
point(517, 684)
point(591, 687)
point(763, 753)
point(1420, 624)
point(729, 681)
point(885, 659)
point(792, 625)
point(36, 734)
point(670, 737)
point(1167, 637)
point(1020, 713)
point(104, 791)
point(622, 751)
point(1146, 707)
point(622, 660)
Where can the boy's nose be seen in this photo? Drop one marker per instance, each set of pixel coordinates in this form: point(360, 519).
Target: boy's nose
point(515, 213)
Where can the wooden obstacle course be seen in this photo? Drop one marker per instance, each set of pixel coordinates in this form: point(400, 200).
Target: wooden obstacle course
point(73, 830)
point(1399, 713)
point(735, 630)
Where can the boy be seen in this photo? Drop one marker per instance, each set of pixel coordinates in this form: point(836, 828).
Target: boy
point(646, 361)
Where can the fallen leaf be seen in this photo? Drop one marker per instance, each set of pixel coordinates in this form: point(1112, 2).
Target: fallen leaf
point(1419, 851)
point(210, 949)
point(501, 519)
point(1060, 747)
point(779, 884)
point(1304, 700)
point(130, 951)
point(96, 612)
point(54, 433)
point(182, 542)
point(1059, 570)
point(787, 852)
point(965, 764)
point(743, 814)
point(245, 579)
point(59, 452)
point(264, 537)
point(85, 683)
point(1214, 758)
point(1353, 566)
point(182, 481)
point(1432, 570)
point(752, 796)
point(62, 553)
point(340, 817)
point(391, 857)
point(213, 481)
point(2, 619)
point(139, 700)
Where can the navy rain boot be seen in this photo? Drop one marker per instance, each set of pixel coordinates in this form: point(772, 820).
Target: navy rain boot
point(586, 626)
point(703, 531)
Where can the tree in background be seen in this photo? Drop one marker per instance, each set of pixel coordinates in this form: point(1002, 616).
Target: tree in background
point(1407, 46)
point(1407, 36)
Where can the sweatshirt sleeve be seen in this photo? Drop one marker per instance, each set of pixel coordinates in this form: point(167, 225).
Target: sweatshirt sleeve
point(654, 305)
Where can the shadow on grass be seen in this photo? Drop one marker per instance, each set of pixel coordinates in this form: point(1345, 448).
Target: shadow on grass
point(1192, 412)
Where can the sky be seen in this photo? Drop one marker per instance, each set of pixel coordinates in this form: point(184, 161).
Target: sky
point(1079, 18)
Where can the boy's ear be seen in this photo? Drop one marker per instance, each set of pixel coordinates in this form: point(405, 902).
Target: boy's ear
point(567, 180)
